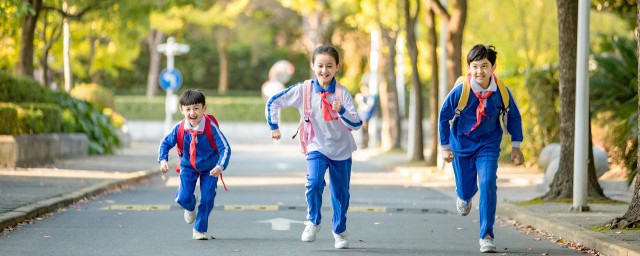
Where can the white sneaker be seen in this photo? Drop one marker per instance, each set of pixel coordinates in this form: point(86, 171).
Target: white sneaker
point(463, 207)
point(190, 216)
point(199, 235)
point(486, 244)
point(341, 241)
point(310, 231)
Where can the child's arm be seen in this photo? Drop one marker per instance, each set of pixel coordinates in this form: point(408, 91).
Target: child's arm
point(446, 114)
point(291, 96)
point(165, 145)
point(223, 147)
point(348, 113)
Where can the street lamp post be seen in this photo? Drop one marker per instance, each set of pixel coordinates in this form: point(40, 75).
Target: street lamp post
point(170, 78)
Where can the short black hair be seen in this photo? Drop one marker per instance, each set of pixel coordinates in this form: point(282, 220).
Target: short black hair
point(192, 97)
point(328, 49)
point(481, 51)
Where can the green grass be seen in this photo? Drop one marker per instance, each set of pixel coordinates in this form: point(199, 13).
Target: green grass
point(537, 201)
point(224, 108)
point(602, 228)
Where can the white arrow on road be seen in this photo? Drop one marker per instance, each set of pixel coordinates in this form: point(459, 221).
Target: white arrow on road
point(280, 223)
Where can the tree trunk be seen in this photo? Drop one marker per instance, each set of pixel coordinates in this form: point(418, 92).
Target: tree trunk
point(223, 81)
point(562, 185)
point(594, 190)
point(631, 219)
point(55, 35)
point(25, 66)
point(433, 88)
point(391, 127)
point(417, 149)
point(155, 59)
point(389, 97)
point(454, 40)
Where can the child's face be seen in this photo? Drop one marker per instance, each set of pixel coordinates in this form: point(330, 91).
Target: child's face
point(324, 66)
point(193, 113)
point(481, 71)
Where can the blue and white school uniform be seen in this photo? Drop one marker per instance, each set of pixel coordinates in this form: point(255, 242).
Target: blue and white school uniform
point(476, 152)
point(206, 160)
point(330, 148)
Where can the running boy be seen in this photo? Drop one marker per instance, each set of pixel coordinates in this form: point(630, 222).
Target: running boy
point(329, 116)
point(203, 159)
point(470, 136)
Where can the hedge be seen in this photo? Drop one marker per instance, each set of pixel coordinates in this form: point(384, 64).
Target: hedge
point(223, 108)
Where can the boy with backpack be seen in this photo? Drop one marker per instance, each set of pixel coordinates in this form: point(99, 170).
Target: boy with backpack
point(206, 156)
point(470, 136)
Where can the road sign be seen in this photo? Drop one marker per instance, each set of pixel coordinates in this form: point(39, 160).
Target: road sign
point(170, 79)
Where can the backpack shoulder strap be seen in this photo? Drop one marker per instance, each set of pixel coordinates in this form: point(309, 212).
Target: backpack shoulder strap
point(464, 97)
point(504, 94)
point(339, 92)
point(306, 98)
point(180, 137)
point(209, 131)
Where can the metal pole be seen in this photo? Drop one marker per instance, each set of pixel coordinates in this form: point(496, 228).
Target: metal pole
point(581, 145)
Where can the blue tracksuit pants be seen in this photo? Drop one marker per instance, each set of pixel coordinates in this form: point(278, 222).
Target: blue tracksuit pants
point(479, 169)
point(186, 198)
point(340, 176)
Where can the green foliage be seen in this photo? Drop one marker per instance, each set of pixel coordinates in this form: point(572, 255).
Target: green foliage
point(224, 108)
point(90, 121)
point(39, 118)
point(39, 110)
point(95, 94)
point(21, 89)
point(9, 117)
point(536, 96)
point(614, 98)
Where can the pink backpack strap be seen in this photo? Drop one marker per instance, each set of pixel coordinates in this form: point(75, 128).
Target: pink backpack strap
point(306, 98)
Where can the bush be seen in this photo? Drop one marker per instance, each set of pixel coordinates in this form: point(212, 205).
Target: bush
point(21, 89)
point(9, 117)
point(95, 94)
point(40, 118)
point(250, 109)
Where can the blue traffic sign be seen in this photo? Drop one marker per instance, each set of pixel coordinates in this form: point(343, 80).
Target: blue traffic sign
point(170, 79)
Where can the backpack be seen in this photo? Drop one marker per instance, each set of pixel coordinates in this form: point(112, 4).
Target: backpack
point(305, 128)
point(466, 91)
point(207, 131)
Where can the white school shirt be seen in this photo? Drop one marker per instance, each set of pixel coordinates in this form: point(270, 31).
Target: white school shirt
point(332, 138)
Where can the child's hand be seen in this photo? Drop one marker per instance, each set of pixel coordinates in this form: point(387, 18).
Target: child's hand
point(164, 166)
point(275, 134)
point(447, 155)
point(215, 172)
point(336, 106)
point(516, 156)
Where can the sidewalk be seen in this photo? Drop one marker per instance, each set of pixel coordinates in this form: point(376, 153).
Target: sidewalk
point(26, 193)
point(517, 184)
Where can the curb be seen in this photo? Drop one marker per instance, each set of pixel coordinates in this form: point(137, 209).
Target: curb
point(51, 204)
point(594, 240)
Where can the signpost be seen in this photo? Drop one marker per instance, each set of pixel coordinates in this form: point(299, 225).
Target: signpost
point(170, 78)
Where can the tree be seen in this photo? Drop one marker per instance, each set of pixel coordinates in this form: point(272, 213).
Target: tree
point(631, 219)
point(389, 29)
point(415, 118)
point(562, 184)
point(433, 88)
point(152, 41)
point(455, 27)
point(25, 66)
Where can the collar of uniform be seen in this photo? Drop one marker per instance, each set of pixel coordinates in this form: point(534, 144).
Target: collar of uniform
point(477, 88)
point(199, 127)
point(331, 88)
